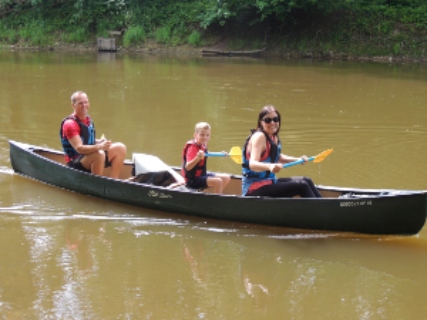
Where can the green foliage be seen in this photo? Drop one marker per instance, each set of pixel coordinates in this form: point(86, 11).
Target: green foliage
point(35, 33)
point(326, 46)
point(195, 39)
point(79, 35)
point(133, 36)
point(90, 13)
point(302, 45)
point(9, 36)
point(370, 26)
point(163, 34)
point(396, 48)
point(12, 36)
point(215, 12)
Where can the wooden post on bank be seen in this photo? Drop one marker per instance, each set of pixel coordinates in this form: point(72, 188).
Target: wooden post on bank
point(107, 44)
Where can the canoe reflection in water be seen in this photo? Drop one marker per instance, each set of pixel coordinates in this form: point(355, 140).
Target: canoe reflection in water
point(80, 237)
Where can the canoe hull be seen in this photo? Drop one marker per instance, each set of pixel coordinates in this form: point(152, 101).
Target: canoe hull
point(402, 214)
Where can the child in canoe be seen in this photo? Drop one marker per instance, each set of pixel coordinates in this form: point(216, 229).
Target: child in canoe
point(194, 162)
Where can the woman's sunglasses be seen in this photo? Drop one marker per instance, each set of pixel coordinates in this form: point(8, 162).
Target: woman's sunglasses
point(268, 120)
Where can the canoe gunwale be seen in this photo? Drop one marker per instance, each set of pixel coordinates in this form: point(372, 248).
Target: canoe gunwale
point(374, 192)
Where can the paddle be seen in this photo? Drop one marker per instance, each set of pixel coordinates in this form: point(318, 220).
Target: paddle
point(319, 158)
point(235, 154)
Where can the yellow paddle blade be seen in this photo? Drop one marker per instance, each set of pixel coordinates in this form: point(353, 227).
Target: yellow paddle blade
point(236, 155)
point(322, 156)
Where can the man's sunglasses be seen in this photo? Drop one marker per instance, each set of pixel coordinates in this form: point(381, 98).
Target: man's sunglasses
point(268, 120)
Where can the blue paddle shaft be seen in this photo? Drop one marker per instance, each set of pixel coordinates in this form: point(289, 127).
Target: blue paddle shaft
point(215, 154)
point(290, 164)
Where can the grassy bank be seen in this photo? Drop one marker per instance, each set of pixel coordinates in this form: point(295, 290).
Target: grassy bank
point(276, 48)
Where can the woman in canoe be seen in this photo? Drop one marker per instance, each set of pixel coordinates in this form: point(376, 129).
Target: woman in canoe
point(262, 159)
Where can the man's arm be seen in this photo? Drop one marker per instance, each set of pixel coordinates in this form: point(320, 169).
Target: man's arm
point(78, 145)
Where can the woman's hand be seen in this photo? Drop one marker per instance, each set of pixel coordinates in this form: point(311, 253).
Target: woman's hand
point(304, 158)
point(275, 167)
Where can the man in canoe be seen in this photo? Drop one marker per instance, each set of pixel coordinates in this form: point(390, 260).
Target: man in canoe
point(82, 150)
point(262, 158)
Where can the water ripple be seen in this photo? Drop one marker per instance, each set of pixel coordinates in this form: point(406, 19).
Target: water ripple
point(6, 170)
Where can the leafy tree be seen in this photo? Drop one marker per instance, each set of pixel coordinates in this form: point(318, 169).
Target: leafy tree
point(387, 23)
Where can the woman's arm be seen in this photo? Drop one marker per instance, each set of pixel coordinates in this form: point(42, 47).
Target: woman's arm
point(256, 145)
point(286, 159)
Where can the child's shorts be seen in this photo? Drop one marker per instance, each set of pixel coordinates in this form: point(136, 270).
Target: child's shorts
point(199, 182)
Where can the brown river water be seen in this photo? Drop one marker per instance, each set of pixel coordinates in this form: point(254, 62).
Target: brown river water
point(68, 256)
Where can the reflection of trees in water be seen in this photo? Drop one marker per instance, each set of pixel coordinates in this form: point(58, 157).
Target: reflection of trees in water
point(283, 285)
point(16, 279)
point(207, 270)
point(188, 276)
point(194, 254)
point(333, 289)
point(45, 275)
point(256, 271)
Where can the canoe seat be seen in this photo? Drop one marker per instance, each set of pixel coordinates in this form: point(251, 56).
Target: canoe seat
point(162, 178)
point(149, 169)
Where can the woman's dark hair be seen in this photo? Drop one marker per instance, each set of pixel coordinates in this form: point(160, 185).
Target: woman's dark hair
point(266, 110)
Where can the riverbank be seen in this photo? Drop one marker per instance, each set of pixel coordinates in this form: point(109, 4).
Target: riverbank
point(271, 51)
